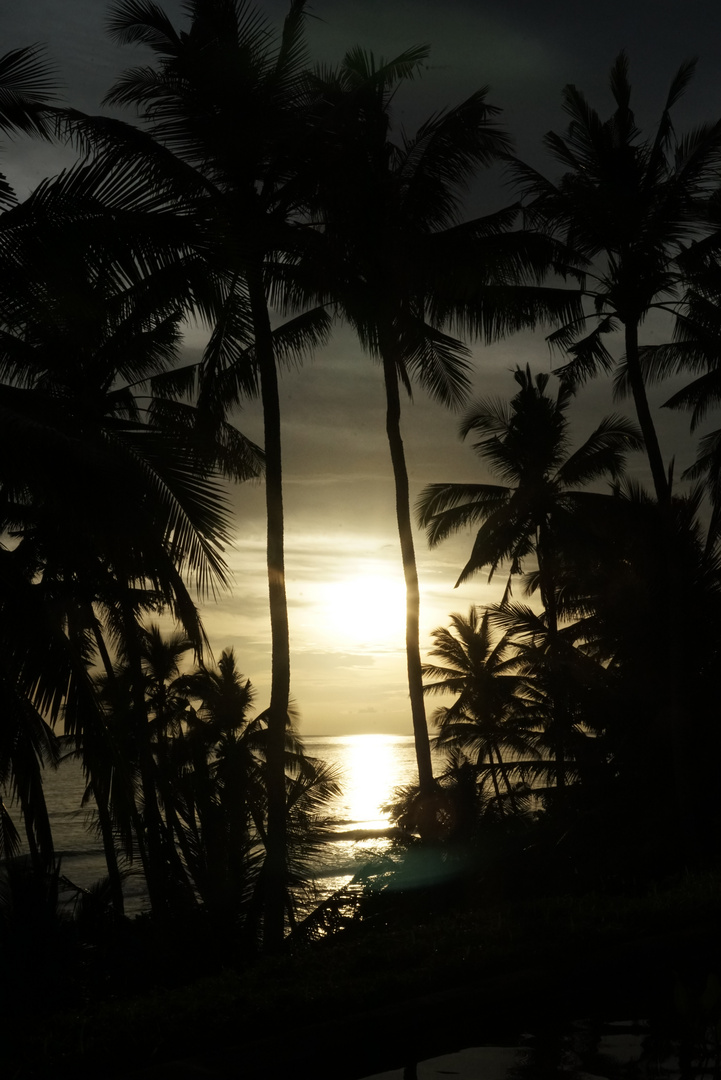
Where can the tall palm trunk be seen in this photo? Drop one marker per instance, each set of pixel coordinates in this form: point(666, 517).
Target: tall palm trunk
point(156, 865)
point(494, 781)
point(549, 601)
point(403, 516)
point(643, 413)
point(673, 716)
point(101, 794)
point(41, 861)
point(275, 868)
point(506, 779)
point(102, 804)
point(30, 795)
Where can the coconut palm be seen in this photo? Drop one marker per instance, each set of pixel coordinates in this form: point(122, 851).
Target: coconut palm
point(217, 784)
point(112, 493)
point(632, 213)
point(27, 744)
point(230, 74)
point(402, 267)
point(27, 88)
point(490, 715)
point(539, 511)
point(648, 575)
point(527, 443)
point(695, 349)
point(570, 692)
point(218, 772)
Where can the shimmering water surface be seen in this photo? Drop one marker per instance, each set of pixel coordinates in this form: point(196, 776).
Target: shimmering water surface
point(370, 766)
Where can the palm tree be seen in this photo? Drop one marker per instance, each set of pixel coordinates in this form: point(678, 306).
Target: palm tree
point(539, 510)
point(647, 594)
point(220, 794)
point(695, 348)
point(26, 90)
point(400, 266)
point(569, 691)
point(227, 75)
point(218, 771)
point(27, 743)
point(526, 442)
point(490, 715)
point(632, 213)
point(111, 493)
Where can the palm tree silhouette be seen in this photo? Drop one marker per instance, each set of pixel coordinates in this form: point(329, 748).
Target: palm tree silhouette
point(220, 789)
point(27, 88)
point(218, 772)
point(631, 213)
point(539, 510)
point(648, 575)
point(113, 495)
point(227, 75)
point(490, 716)
point(527, 443)
point(27, 743)
point(390, 217)
point(695, 349)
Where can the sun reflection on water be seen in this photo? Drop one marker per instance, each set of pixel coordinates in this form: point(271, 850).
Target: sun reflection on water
point(372, 766)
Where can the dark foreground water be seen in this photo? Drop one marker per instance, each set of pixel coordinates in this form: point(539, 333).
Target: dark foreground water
point(371, 767)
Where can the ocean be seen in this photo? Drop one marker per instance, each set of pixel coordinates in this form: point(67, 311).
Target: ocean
point(370, 767)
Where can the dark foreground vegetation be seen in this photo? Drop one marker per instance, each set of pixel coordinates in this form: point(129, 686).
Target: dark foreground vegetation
point(568, 854)
point(419, 974)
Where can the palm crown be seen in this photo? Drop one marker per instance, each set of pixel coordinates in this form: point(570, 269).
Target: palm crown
point(527, 444)
point(490, 716)
point(635, 216)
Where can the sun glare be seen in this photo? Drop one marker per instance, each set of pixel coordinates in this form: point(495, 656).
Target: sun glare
point(366, 610)
point(371, 771)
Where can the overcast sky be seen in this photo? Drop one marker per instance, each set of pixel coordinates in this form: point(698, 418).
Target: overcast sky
point(347, 676)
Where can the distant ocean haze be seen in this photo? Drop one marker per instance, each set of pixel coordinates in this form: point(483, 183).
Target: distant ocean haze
point(370, 768)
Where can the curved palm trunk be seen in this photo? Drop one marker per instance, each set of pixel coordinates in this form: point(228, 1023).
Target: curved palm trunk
point(494, 781)
point(643, 412)
point(102, 803)
point(159, 891)
point(275, 868)
point(175, 835)
point(29, 788)
point(101, 794)
point(403, 516)
point(506, 780)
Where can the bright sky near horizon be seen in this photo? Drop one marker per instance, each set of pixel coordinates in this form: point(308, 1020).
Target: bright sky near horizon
point(343, 563)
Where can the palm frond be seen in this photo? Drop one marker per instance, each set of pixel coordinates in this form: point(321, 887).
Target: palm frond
point(590, 355)
point(442, 157)
point(141, 22)
point(439, 362)
point(27, 86)
point(443, 509)
point(603, 453)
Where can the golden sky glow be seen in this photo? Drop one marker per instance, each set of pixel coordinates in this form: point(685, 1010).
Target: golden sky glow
point(366, 610)
point(344, 576)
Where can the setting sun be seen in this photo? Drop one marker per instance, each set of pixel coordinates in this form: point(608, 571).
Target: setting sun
point(368, 609)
